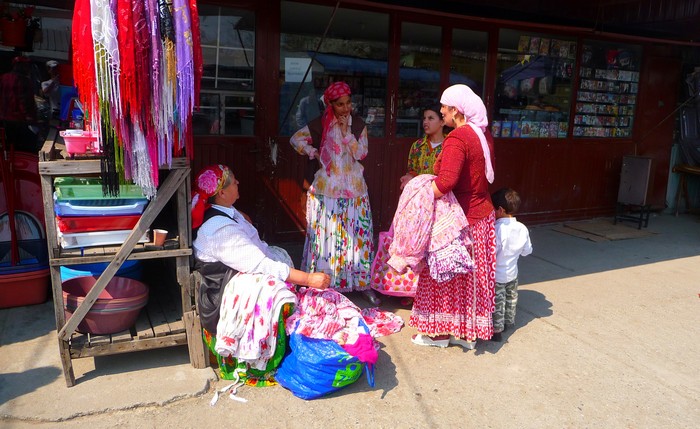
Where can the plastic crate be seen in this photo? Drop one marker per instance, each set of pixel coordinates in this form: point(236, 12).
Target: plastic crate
point(96, 223)
point(89, 188)
point(95, 238)
point(106, 207)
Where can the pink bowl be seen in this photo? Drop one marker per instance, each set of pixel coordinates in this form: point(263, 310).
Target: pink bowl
point(116, 308)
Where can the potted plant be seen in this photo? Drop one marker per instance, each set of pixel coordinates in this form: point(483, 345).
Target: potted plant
point(13, 24)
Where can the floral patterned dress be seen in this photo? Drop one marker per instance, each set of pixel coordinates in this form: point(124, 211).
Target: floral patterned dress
point(422, 156)
point(339, 236)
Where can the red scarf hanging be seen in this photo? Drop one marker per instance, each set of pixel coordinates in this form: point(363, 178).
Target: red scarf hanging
point(84, 58)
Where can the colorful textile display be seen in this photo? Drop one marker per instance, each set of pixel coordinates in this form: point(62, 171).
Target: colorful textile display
point(137, 65)
point(252, 377)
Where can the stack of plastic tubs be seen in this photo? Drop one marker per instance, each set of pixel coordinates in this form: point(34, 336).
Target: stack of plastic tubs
point(86, 217)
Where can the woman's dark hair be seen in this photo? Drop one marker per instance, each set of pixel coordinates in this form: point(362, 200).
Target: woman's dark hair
point(506, 198)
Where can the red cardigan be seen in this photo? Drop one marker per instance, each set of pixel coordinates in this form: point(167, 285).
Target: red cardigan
point(460, 168)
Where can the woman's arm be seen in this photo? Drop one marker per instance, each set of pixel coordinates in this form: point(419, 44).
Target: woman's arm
point(358, 148)
point(301, 142)
point(453, 157)
point(237, 245)
point(436, 191)
point(313, 280)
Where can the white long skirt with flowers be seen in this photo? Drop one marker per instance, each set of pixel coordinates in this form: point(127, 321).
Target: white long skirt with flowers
point(339, 240)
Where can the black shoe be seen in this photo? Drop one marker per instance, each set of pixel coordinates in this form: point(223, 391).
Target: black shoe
point(508, 326)
point(496, 337)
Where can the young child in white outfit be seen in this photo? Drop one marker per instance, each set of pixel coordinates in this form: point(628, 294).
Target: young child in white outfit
point(512, 241)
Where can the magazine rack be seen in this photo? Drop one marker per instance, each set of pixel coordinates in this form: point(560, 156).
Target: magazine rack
point(162, 324)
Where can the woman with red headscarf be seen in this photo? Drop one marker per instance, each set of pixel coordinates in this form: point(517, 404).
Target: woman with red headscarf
point(245, 283)
point(339, 220)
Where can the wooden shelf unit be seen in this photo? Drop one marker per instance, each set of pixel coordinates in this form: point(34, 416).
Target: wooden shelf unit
point(162, 323)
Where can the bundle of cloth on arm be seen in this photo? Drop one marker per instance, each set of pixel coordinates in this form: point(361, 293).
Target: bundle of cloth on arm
point(429, 230)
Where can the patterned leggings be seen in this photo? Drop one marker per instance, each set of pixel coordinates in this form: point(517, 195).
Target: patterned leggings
point(506, 301)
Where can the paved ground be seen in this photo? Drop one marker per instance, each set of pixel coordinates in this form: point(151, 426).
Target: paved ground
point(606, 337)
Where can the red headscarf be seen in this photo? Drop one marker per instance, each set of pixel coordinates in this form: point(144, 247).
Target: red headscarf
point(333, 92)
point(209, 181)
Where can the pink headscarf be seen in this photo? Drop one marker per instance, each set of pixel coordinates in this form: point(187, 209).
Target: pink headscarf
point(209, 181)
point(333, 92)
point(472, 107)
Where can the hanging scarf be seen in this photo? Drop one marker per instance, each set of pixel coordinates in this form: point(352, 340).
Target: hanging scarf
point(156, 131)
point(127, 65)
point(185, 73)
point(106, 46)
point(209, 181)
point(137, 65)
point(84, 60)
point(332, 93)
point(196, 51)
point(472, 107)
point(168, 75)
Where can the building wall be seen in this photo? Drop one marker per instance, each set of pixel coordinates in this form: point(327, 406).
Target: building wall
point(559, 179)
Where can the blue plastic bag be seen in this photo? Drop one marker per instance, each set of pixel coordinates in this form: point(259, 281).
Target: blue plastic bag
point(316, 367)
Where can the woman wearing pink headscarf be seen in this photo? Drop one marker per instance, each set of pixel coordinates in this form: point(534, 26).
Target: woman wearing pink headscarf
point(459, 311)
point(339, 220)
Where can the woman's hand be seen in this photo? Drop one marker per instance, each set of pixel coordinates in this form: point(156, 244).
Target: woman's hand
point(313, 153)
point(319, 280)
point(343, 122)
point(405, 179)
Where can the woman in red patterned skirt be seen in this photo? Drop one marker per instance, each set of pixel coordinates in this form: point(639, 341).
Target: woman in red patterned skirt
point(459, 310)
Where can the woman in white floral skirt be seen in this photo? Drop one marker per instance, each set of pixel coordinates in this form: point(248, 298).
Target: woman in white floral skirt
point(339, 236)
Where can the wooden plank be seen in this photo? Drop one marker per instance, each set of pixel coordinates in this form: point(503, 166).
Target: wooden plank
point(195, 343)
point(69, 167)
point(65, 355)
point(143, 326)
point(46, 152)
point(171, 309)
point(131, 346)
point(106, 257)
point(78, 340)
point(98, 340)
point(159, 322)
point(121, 337)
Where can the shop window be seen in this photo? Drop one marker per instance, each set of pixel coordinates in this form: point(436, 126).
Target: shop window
point(228, 87)
point(607, 94)
point(534, 88)
point(419, 85)
point(468, 62)
point(354, 50)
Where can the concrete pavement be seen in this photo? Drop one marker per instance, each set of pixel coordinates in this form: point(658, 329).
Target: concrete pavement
point(606, 336)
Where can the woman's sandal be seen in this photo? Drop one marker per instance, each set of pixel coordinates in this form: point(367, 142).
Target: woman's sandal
point(441, 341)
point(468, 345)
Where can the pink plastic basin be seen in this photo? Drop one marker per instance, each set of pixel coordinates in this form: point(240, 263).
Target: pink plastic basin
point(116, 308)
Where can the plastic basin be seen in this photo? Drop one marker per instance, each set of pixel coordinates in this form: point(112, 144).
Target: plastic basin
point(116, 308)
point(20, 288)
